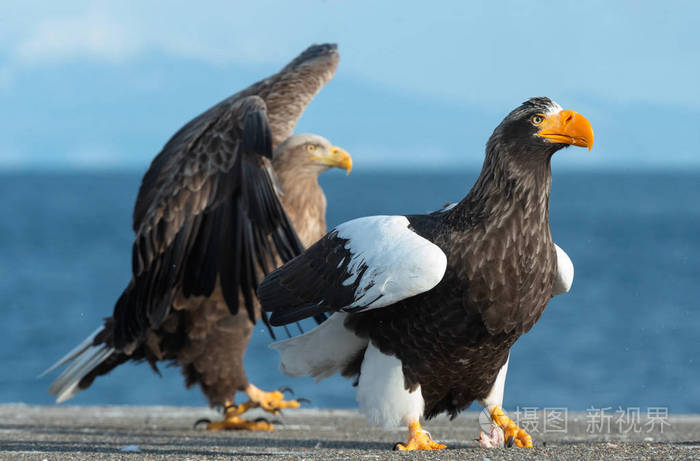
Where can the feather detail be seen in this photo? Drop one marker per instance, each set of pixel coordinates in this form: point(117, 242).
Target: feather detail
point(83, 359)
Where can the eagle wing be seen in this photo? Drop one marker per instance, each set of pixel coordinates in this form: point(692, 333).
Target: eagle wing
point(365, 263)
point(207, 210)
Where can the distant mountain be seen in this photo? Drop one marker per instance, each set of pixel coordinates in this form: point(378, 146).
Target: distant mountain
point(79, 116)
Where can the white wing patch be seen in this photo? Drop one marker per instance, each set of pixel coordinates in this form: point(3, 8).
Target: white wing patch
point(565, 273)
point(399, 263)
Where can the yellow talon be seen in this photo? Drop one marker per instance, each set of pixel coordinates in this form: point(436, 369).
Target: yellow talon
point(235, 410)
point(510, 429)
point(236, 423)
point(418, 439)
point(232, 421)
point(272, 402)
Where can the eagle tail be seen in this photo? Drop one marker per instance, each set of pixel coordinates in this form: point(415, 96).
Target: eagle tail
point(321, 352)
point(83, 359)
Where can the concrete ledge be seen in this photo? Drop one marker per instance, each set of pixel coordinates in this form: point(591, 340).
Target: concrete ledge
point(160, 433)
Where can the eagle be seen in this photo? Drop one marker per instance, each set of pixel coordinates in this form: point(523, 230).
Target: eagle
point(232, 195)
point(425, 308)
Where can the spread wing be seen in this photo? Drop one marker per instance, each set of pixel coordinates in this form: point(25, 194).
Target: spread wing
point(365, 263)
point(207, 211)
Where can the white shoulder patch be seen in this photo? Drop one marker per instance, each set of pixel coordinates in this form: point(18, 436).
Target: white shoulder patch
point(399, 263)
point(565, 273)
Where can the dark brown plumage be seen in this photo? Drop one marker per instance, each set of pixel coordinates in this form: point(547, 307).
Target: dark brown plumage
point(447, 294)
point(209, 224)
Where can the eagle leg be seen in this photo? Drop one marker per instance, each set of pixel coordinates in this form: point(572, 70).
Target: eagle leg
point(510, 430)
point(418, 439)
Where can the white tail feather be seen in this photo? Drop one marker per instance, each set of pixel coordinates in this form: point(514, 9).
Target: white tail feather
point(85, 357)
point(321, 352)
point(77, 350)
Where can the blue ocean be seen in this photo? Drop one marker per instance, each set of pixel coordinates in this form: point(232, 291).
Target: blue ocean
point(628, 333)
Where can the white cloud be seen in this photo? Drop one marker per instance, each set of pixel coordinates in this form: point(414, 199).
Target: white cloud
point(94, 34)
point(221, 33)
point(456, 51)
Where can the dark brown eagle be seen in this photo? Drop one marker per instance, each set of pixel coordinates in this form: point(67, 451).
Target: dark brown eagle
point(426, 307)
point(209, 224)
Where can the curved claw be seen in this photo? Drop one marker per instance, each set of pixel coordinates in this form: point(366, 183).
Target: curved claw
point(201, 421)
point(284, 389)
point(229, 407)
point(511, 432)
point(397, 446)
point(262, 419)
point(304, 400)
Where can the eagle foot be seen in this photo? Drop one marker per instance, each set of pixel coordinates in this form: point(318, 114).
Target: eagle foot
point(286, 389)
point(494, 439)
point(418, 439)
point(201, 421)
point(236, 423)
point(272, 402)
point(512, 434)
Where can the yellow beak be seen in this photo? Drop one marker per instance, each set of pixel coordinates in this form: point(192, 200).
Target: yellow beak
point(567, 127)
point(338, 158)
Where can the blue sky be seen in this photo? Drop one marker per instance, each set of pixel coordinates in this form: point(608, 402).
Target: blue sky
point(102, 85)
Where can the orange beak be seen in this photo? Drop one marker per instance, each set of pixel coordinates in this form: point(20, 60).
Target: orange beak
point(567, 127)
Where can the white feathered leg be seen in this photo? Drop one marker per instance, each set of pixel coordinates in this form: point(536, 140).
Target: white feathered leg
point(385, 401)
point(494, 438)
point(502, 427)
point(381, 393)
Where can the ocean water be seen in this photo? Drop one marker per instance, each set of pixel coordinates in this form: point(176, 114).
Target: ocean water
point(628, 333)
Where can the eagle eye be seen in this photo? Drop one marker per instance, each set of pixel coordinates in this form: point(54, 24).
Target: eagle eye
point(537, 119)
point(310, 148)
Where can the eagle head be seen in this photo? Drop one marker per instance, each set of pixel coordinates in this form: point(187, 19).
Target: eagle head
point(312, 153)
point(541, 126)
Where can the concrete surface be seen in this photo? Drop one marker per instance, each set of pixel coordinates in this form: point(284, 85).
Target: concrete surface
point(159, 433)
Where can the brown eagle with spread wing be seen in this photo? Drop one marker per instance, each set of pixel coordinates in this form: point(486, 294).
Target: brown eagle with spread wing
point(218, 209)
